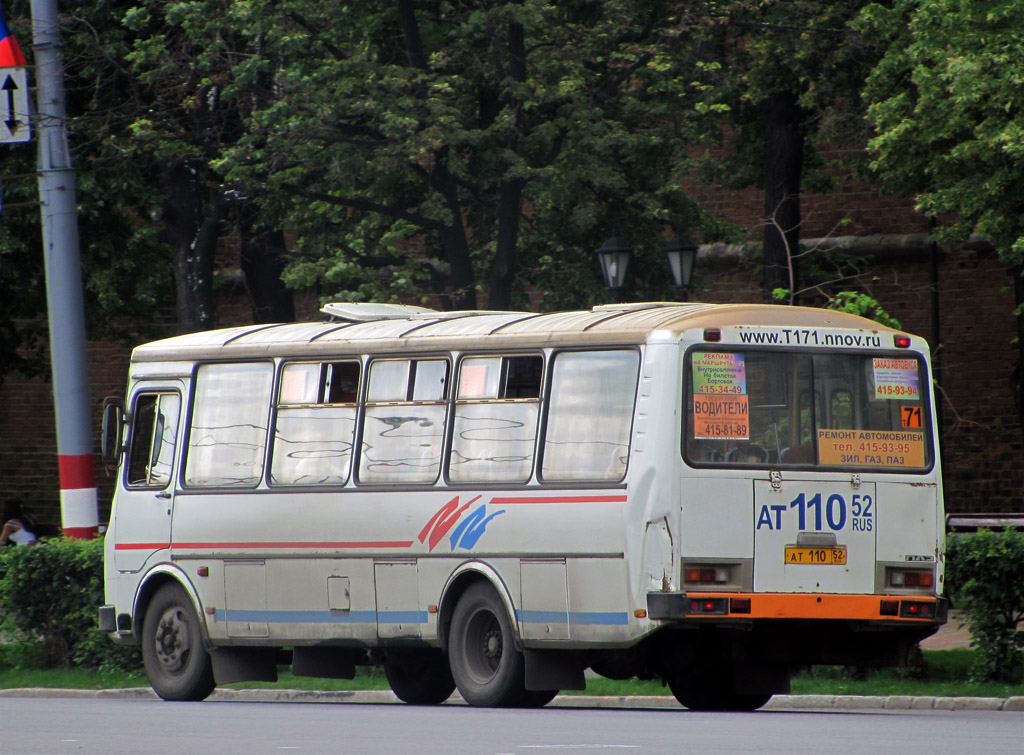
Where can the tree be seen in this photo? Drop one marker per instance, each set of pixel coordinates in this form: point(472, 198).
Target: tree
point(449, 145)
point(949, 114)
point(790, 74)
point(183, 55)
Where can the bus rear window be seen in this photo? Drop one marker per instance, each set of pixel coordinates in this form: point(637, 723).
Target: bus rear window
point(783, 409)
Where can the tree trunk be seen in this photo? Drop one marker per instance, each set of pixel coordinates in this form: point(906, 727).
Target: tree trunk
point(454, 240)
point(263, 261)
point(783, 165)
point(510, 202)
point(191, 228)
point(1017, 377)
point(503, 266)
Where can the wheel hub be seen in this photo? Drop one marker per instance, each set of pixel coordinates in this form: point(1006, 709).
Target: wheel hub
point(172, 640)
point(492, 645)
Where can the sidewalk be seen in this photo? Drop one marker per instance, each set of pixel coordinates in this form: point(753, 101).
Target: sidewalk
point(951, 635)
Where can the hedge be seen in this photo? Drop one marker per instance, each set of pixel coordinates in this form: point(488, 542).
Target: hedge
point(49, 597)
point(985, 578)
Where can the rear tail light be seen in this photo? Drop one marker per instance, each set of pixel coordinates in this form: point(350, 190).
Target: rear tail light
point(901, 342)
point(908, 609)
point(914, 609)
point(709, 605)
point(707, 574)
point(911, 578)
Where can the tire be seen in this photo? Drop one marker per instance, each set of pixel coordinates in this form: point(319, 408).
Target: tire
point(713, 693)
point(537, 698)
point(177, 664)
point(420, 678)
point(487, 668)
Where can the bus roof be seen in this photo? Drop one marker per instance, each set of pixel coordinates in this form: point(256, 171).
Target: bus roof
point(358, 329)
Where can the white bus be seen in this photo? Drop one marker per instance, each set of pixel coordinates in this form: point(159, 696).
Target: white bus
point(496, 502)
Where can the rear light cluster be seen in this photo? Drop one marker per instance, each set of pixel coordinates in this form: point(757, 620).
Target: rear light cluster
point(709, 605)
point(908, 609)
point(707, 574)
point(910, 578)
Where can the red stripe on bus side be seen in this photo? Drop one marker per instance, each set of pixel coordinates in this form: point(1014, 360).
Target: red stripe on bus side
point(140, 546)
point(367, 544)
point(76, 471)
point(563, 499)
point(252, 546)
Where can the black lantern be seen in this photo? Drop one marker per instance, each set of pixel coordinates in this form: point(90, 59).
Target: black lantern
point(614, 257)
point(682, 254)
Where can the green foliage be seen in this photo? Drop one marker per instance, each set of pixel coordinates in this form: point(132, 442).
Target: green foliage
point(49, 597)
point(806, 47)
point(948, 107)
point(462, 148)
point(858, 303)
point(985, 577)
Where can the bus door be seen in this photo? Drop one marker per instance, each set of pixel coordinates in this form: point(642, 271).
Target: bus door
point(814, 535)
point(142, 510)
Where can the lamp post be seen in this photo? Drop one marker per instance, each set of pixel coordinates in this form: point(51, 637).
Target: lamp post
point(614, 258)
point(682, 254)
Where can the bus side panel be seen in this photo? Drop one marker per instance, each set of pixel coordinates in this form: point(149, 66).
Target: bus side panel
point(320, 599)
point(599, 602)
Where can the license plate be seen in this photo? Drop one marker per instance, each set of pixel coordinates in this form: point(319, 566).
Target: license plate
point(830, 555)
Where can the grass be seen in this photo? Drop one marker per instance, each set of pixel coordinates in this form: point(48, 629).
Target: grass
point(944, 673)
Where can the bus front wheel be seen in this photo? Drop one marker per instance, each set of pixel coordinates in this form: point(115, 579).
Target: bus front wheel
point(487, 668)
point(176, 661)
point(420, 678)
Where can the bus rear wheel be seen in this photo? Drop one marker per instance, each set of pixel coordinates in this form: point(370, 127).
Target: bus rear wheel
point(420, 677)
point(715, 692)
point(487, 668)
point(176, 661)
point(537, 698)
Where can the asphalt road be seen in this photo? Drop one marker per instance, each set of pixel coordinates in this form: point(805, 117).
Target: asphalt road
point(94, 725)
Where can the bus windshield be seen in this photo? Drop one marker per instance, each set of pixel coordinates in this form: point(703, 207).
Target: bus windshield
point(799, 409)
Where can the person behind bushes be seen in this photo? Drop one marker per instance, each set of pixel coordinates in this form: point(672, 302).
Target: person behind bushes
point(19, 525)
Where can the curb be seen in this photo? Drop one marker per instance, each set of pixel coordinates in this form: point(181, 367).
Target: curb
point(649, 702)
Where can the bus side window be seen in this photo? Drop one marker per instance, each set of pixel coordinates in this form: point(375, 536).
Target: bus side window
point(404, 421)
point(496, 413)
point(228, 432)
point(315, 426)
point(154, 434)
point(590, 415)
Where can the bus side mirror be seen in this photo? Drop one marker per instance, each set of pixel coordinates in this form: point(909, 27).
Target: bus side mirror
point(112, 430)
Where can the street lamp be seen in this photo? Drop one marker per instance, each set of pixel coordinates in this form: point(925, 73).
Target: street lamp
point(614, 257)
point(682, 254)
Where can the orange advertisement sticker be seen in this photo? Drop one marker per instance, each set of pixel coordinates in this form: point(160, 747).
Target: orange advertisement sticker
point(716, 417)
point(871, 448)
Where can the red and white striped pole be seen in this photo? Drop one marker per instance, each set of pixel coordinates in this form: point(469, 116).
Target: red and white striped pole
point(78, 509)
point(64, 301)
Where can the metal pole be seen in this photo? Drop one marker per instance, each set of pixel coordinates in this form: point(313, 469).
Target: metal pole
point(65, 307)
